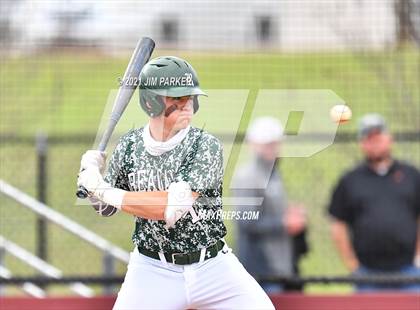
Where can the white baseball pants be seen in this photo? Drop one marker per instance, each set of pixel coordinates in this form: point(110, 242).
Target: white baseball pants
point(218, 283)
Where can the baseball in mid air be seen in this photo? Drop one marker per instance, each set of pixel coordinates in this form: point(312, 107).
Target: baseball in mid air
point(340, 113)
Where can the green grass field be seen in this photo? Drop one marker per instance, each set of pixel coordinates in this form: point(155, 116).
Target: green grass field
point(63, 94)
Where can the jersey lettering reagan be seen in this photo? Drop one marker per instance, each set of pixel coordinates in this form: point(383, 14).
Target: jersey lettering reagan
point(198, 160)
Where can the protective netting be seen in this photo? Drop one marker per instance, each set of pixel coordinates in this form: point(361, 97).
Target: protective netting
point(61, 62)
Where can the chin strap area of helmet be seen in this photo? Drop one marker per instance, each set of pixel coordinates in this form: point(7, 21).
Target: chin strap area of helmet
point(174, 107)
point(171, 109)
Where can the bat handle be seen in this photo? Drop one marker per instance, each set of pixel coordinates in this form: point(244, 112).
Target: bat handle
point(82, 192)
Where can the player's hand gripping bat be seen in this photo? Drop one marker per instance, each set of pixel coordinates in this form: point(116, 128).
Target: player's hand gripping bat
point(129, 83)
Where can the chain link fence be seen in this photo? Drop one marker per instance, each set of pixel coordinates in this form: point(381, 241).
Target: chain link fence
point(59, 67)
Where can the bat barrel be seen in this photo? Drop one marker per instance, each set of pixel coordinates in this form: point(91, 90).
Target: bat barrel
point(140, 57)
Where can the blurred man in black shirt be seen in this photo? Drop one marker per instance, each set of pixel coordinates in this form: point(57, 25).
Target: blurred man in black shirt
point(376, 210)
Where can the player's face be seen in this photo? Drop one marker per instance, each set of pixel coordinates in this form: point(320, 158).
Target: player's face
point(377, 145)
point(179, 112)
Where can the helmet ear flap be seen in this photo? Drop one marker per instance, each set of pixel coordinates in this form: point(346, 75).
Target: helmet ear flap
point(195, 104)
point(151, 103)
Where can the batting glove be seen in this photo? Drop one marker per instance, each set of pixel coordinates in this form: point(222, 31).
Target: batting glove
point(92, 180)
point(95, 159)
point(180, 201)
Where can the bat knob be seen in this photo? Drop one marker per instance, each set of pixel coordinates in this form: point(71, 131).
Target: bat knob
point(82, 192)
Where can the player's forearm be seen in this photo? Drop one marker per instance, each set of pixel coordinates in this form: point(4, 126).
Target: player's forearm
point(154, 205)
point(342, 241)
point(148, 205)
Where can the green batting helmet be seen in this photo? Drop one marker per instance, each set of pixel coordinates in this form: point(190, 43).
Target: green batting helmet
point(167, 76)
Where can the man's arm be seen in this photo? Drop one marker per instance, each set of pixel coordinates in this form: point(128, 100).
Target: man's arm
point(340, 235)
point(417, 257)
point(342, 213)
point(155, 205)
point(148, 205)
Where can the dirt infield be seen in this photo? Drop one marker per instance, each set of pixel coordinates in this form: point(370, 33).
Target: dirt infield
point(281, 301)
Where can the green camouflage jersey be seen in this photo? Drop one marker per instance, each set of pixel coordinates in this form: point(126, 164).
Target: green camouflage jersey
point(198, 160)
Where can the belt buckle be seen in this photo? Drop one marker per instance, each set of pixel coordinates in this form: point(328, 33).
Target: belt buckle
point(173, 257)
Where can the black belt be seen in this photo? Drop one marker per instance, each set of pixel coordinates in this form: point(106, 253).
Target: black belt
point(186, 258)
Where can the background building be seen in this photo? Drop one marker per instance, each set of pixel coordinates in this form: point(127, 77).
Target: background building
point(232, 24)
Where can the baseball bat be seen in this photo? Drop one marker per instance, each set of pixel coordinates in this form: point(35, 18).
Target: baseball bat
point(129, 83)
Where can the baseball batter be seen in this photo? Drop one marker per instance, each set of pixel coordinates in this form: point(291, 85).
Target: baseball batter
point(164, 174)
